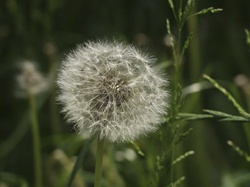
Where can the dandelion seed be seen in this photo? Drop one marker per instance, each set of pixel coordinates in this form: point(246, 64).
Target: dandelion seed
point(112, 89)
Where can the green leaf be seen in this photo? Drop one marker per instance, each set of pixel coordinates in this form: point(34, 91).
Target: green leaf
point(227, 117)
point(191, 117)
point(236, 119)
point(217, 113)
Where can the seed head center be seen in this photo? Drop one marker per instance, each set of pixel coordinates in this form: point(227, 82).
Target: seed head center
point(116, 91)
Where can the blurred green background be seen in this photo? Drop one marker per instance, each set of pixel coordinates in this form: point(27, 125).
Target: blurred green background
point(43, 31)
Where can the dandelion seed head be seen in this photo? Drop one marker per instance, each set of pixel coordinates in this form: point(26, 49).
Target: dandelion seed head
point(30, 80)
point(112, 89)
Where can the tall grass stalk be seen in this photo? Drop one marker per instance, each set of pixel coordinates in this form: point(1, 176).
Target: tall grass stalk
point(193, 104)
point(182, 14)
point(36, 141)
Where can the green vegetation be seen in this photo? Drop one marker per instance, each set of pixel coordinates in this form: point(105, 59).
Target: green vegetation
point(204, 51)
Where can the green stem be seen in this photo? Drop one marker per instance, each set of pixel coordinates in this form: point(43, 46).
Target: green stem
point(177, 89)
point(172, 160)
point(98, 166)
point(246, 128)
point(36, 142)
point(194, 48)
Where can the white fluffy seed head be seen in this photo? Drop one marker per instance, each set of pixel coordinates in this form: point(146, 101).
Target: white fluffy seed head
point(30, 80)
point(112, 89)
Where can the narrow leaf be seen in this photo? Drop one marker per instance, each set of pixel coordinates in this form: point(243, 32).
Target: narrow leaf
point(191, 117)
point(227, 117)
point(239, 150)
point(79, 161)
point(236, 119)
point(217, 113)
point(229, 96)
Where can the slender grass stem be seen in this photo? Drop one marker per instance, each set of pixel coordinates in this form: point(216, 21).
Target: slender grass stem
point(36, 142)
point(172, 160)
point(98, 166)
point(246, 128)
point(194, 48)
point(177, 91)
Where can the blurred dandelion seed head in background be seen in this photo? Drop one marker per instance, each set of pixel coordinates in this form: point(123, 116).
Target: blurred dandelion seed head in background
point(30, 80)
point(112, 89)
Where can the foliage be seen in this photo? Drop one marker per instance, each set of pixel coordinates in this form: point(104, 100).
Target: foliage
point(187, 40)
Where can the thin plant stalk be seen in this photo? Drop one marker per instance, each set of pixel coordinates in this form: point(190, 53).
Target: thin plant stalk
point(172, 160)
point(36, 142)
point(177, 90)
point(194, 48)
point(246, 128)
point(99, 159)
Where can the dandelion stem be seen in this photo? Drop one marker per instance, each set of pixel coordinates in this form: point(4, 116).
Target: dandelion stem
point(36, 142)
point(98, 166)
